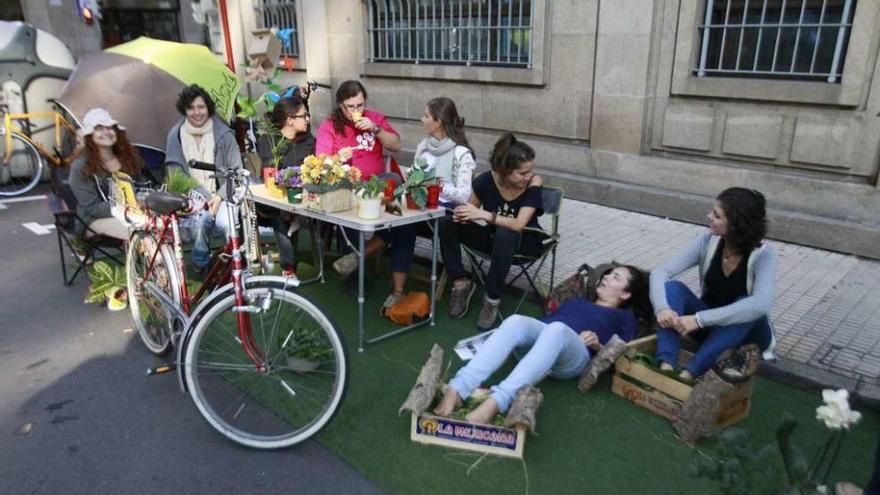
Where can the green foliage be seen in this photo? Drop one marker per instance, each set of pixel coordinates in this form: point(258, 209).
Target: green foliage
point(739, 469)
point(105, 278)
point(178, 182)
point(417, 181)
point(256, 109)
point(372, 188)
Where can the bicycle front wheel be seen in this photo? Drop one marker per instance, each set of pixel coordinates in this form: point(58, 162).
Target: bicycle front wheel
point(296, 390)
point(151, 292)
point(21, 166)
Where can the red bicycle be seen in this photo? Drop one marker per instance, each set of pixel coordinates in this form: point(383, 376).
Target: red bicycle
point(264, 365)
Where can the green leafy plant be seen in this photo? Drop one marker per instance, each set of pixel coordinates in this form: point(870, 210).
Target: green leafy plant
point(417, 181)
point(106, 281)
point(739, 469)
point(256, 109)
point(178, 182)
point(372, 188)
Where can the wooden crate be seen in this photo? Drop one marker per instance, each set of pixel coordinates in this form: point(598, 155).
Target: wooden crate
point(497, 440)
point(664, 395)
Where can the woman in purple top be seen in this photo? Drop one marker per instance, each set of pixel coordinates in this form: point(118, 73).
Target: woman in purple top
point(559, 344)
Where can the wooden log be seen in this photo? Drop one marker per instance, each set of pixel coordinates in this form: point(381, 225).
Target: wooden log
point(697, 416)
point(422, 394)
point(607, 355)
point(524, 410)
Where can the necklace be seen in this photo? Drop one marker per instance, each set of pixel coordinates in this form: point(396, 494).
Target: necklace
point(725, 254)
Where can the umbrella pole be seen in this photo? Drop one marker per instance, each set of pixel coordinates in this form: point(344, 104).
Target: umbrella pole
point(224, 17)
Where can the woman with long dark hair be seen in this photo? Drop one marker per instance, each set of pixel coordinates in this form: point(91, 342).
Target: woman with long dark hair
point(737, 278)
point(446, 150)
point(107, 150)
point(559, 344)
point(291, 118)
point(357, 134)
point(507, 199)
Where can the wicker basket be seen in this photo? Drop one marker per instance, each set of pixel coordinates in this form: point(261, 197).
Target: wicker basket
point(330, 201)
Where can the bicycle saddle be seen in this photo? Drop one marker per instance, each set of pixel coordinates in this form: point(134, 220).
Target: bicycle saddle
point(165, 203)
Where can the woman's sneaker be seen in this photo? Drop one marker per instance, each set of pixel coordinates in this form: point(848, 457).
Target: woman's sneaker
point(391, 300)
point(460, 297)
point(488, 313)
point(346, 264)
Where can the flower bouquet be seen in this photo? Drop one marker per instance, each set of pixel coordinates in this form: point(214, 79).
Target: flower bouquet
point(328, 182)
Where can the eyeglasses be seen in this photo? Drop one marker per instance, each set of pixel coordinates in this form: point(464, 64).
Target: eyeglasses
point(352, 108)
point(306, 115)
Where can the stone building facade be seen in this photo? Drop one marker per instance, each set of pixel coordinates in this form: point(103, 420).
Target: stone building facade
point(622, 100)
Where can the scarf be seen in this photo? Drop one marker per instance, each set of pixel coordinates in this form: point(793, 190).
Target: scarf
point(202, 151)
point(442, 150)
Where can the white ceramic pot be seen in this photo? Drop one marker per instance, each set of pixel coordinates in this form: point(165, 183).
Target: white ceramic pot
point(370, 208)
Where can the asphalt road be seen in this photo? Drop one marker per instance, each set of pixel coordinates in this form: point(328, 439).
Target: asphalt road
point(75, 373)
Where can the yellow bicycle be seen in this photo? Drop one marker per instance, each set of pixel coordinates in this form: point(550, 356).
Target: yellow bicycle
point(23, 157)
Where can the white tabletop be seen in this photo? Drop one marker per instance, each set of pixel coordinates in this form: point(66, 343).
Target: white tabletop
point(349, 217)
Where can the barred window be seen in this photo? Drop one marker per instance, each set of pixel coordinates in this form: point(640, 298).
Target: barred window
point(777, 39)
point(280, 14)
point(452, 32)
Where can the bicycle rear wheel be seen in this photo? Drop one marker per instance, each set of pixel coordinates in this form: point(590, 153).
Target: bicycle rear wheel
point(150, 295)
point(304, 378)
point(24, 168)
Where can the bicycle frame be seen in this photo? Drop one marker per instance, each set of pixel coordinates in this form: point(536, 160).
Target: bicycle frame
point(59, 122)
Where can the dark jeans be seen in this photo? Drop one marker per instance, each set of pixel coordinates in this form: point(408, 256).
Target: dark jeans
point(715, 340)
point(502, 244)
point(873, 486)
point(401, 239)
point(271, 217)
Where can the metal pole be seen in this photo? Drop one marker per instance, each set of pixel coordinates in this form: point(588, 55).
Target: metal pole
point(841, 32)
point(704, 50)
point(361, 255)
point(224, 19)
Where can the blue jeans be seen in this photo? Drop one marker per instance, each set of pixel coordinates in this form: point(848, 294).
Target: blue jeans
point(403, 245)
point(201, 227)
point(715, 340)
point(553, 348)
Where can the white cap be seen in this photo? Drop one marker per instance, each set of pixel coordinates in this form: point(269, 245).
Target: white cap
point(96, 117)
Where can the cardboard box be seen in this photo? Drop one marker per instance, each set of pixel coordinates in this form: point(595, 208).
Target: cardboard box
point(497, 440)
point(664, 395)
point(264, 48)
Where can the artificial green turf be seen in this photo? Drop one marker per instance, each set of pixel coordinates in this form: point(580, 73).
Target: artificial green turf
point(586, 443)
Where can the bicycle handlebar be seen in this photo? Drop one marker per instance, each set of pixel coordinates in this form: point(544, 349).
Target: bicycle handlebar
point(236, 179)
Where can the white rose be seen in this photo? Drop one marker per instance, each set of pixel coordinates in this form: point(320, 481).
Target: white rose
point(836, 413)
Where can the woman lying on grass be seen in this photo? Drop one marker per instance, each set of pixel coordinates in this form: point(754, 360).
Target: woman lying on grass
point(559, 344)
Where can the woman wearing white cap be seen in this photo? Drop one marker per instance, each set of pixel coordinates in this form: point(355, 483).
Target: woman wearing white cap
point(107, 150)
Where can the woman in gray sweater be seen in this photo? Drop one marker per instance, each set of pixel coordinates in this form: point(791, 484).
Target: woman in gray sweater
point(737, 271)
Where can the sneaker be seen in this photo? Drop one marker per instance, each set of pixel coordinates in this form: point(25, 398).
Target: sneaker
point(391, 300)
point(288, 271)
point(488, 313)
point(847, 488)
point(738, 364)
point(346, 265)
point(460, 297)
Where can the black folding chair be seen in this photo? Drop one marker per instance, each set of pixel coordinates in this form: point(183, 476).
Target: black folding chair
point(84, 248)
point(551, 199)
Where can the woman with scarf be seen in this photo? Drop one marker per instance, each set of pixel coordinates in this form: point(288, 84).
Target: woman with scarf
point(448, 154)
point(204, 137)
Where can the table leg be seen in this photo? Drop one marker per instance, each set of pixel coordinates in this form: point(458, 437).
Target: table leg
point(434, 270)
point(361, 264)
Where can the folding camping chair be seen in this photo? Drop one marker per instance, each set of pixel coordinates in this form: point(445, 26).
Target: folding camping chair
point(83, 248)
point(551, 199)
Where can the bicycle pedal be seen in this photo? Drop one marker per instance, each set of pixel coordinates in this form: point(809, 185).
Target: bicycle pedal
point(158, 370)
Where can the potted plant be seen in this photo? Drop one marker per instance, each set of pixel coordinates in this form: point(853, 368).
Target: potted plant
point(108, 284)
point(328, 182)
point(292, 180)
point(416, 185)
point(369, 194)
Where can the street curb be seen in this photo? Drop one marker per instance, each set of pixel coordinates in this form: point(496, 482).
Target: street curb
point(807, 377)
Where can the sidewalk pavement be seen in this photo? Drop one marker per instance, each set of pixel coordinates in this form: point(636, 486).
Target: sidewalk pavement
point(827, 309)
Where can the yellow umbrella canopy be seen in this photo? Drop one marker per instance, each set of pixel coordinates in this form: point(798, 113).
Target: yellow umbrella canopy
point(138, 83)
point(191, 64)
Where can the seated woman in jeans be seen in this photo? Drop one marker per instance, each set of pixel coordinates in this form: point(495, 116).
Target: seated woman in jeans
point(737, 271)
point(510, 196)
point(559, 344)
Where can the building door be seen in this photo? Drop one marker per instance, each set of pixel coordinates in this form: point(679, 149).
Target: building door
point(125, 20)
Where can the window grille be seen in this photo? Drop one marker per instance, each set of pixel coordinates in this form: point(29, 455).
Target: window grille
point(452, 32)
point(280, 14)
point(779, 39)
